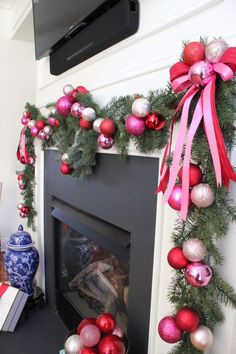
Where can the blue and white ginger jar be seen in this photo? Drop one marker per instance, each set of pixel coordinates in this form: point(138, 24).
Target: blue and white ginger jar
point(21, 260)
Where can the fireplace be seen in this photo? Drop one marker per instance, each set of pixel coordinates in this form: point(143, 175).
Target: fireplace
point(99, 242)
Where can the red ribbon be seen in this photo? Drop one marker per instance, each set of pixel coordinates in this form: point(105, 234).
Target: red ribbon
point(205, 110)
point(22, 152)
point(3, 289)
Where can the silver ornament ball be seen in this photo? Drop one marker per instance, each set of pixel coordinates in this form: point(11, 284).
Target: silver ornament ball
point(194, 250)
point(31, 123)
point(65, 158)
point(67, 89)
point(53, 111)
point(96, 124)
point(73, 344)
point(88, 114)
point(201, 338)
point(141, 107)
point(215, 49)
point(48, 130)
point(202, 195)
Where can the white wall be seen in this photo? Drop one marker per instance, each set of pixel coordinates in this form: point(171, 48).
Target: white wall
point(138, 64)
point(17, 80)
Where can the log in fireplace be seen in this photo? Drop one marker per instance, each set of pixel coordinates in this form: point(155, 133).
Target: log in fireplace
point(99, 242)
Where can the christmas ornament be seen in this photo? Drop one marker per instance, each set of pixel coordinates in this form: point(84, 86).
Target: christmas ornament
point(20, 176)
point(67, 89)
point(111, 344)
point(168, 330)
point(201, 73)
point(117, 331)
point(57, 123)
point(19, 206)
point(194, 250)
point(34, 131)
point(63, 106)
point(26, 114)
point(85, 322)
point(76, 109)
point(198, 274)
point(81, 89)
point(175, 199)
point(88, 351)
point(96, 124)
point(176, 258)
point(25, 210)
point(155, 121)
point(134, 125)
point(193, 52)
point(195, 174)
point(88, 114)
point(107, 127)
point(84, 124)
point(53, 111)
point(105, 142)
point(22, 215)
point(187, 319)
point(47, 130)
point(202, 338)
point(215, 49)
point(202, 195)
point(65, 169)
point(51, 121)
point(90, 335)
point(40, 124)
point(141, 107)
point(73, 344)
point(106, 322)
point(41, 135)
point(31, 123)
point(73, 96)
point(65, 157)
point(25, 120)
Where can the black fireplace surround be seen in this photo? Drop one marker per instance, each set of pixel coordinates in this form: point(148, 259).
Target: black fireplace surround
point(117, 204)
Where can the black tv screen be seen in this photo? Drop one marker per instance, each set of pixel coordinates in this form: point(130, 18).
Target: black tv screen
point(54, 19)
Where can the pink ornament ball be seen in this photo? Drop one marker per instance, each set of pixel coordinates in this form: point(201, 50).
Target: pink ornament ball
point(34, 131)
point(25, 120)
point(63, 106)
point(51, 121)
point(41, 135)
point(198, 274)
point(134, 126)
point(168, 330)
point(117, 331)
point(77, 109)
point(200, 73)
point(90, 335)
point(175, 200)
point(105, 142)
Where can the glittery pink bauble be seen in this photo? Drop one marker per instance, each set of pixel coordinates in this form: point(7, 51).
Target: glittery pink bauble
point(25, 120)
point(194, 250)
point(215, 49)
point(90, 335)
point(34, 131)
point(63, 106)
point(202, 195)
point(134, 125)
point(105, 142)
point(168, 330)
point(77, 109)
point(51, 121)
point(175, 199)
point(198, 274)
point(200, 73)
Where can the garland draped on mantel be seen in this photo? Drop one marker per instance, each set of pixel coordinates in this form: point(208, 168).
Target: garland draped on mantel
point(203, 100)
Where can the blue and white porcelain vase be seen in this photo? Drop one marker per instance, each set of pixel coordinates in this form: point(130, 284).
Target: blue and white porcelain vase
point(21, 260)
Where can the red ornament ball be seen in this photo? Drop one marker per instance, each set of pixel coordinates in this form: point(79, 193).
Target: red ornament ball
point(85, 322)
point(187, 319)
point(168, 330)
point(87, 350)
point(20, 176)
point(107, 127)
point(65, 169)
point(40, 124)
point(106, 322)
point(195, 175)
point(194, 52)
point(81, 89)
point(25, 210)
point(73, 95)
point(111, 344)
point(155, 121)
point(57, 123)
point(176, 258)
point(84, 124)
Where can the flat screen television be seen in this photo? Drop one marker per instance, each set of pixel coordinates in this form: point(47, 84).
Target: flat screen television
point(71, 31)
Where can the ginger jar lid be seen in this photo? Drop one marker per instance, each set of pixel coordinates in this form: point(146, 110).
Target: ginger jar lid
point(20, 239)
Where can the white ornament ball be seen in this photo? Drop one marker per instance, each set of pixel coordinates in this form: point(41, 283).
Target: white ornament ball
point(20, 206)
point(141, 107)
point(202, 195)
point(31, 123)
point(73, 344)
point(53, 111)
point(65, 158)
point(96, 124)
point(48, 130)
point(67, 89)
point(194, 250)
point(215, 49)
point(88, 114)
point(201, 338)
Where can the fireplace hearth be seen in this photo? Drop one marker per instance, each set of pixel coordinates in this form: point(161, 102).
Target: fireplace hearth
point(99, 242)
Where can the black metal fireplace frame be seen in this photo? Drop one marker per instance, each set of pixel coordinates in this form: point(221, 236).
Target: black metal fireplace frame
point(101, 196)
